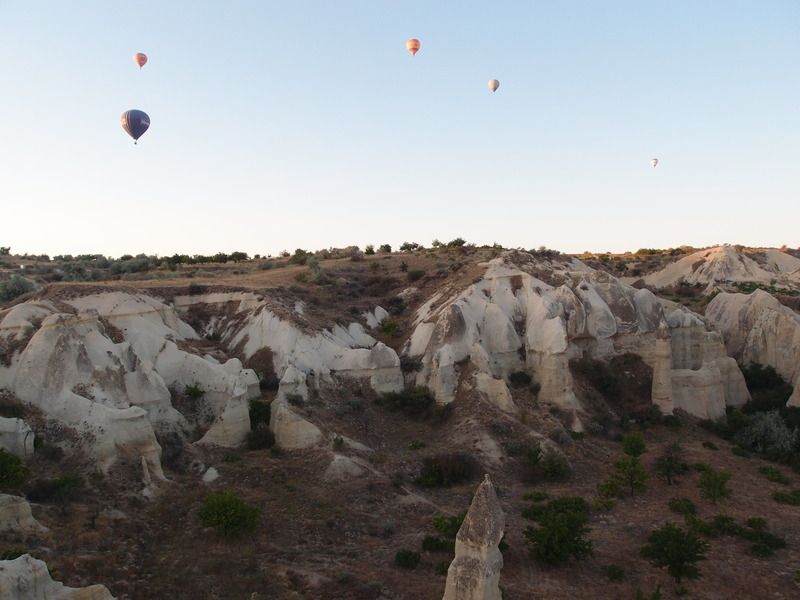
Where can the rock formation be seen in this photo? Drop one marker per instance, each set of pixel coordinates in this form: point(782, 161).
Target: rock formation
point(26, 578)
point(474, 573)
point(759, 329)
point(662, 370)
point(16, 516)
point(725, 264)
point(511, 320)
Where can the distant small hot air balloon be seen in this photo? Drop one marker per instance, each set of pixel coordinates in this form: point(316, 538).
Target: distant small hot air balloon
point(493, 85)
point(135, 123)
point(654, 162)
point(412, 46)
point(140, 58)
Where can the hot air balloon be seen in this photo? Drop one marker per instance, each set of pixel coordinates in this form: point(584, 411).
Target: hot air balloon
point(654, 162)
point(140, 58)
point(135, 123)
point(493, 85)
point(412, 46)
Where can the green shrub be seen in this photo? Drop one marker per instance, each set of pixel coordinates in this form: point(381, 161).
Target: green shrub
point(683, 506)
point(768, 434)
point(229, 515)
point(13, 472)
point(614, 572)
point(537, 511)
point(633, 444)
point(536, 496)
point(407, 559)
point(14, 288)
point(437, 544)
point(554, 466)
point(676, 549)
point(194, 391)
point(670, 464)
point(656, 595)
point(416, 445)
point(710, 445)
point(447, 525)
point(562, 531)
point(774, 474)
point(259, 413)
point(741, 452)
point(60, 490)
point(416, 403)
point(390, 327)
point(415, 275)
point(791, 498)
point(338, 443)
point(714, 484)
point(446, 469)
point(600, 375)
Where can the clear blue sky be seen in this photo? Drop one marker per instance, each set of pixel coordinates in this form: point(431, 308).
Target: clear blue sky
point(307, 124)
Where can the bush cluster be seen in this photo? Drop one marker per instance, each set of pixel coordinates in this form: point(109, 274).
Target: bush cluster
point(445, 470)
point(562, 530)
point(229, 515)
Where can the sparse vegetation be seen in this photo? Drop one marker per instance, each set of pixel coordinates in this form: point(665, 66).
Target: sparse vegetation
point(677, 550)
point(714, 484)
point(670, 464)
point(417, 403)
point(633, 444)
point(13, 472)
point(14, 288)
point(683, 506)
point(194, 391)
point(407, 559)
point(614, 572)
point(229, 515)
point(562, 530)
point(445, 470)
point(774, 474)
point(791, 498)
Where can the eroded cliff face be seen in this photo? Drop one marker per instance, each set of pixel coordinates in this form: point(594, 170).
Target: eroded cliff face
point(759, 329)
point(511, 320)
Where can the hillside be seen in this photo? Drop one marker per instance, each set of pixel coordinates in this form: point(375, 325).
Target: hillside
point(354, 401)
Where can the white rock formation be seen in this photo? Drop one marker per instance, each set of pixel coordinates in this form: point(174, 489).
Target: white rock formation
point(474, 573)
point(211, 475)
point(26, 578)
point(16, 436)
point(103, 365)
point(759, 329)
point(16, 516)
point(724, 264)
point(510, 320)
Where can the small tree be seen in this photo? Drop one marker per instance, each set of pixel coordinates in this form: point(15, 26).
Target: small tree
point(385, 249)
point(5, 250)
point(13, 472)
point(633, 444)
point(631, 474)
point(714, 484)
point(369, 250)
point(671, 464)
point(676, 549)
point(561, 534)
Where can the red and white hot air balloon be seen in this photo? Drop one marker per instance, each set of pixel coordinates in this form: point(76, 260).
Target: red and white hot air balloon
point(412, 46)
point(140, 58)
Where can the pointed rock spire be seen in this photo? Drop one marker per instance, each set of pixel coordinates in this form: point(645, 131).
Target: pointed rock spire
point(474, 573)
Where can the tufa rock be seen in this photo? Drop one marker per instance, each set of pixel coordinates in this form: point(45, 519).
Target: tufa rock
point(474, 573)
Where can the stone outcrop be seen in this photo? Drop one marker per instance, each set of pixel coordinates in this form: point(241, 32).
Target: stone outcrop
point(725, 265)
point(26, 578)
point(512, 320)
point(16, 516)
point(474, 573)
point(103, 364)
point(759, 329)
point(16, 437)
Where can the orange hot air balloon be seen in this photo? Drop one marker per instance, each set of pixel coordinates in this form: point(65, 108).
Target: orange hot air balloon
point(140, 58)
point(412, 46)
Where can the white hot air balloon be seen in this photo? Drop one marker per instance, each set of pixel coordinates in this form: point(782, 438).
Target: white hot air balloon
point(654, 162)
point(493, 85)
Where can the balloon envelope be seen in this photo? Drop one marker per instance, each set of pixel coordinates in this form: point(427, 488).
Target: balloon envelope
point(135, 122)
point(140, 59)
point(494, 84)
point(654, 162)
point(412, 46)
